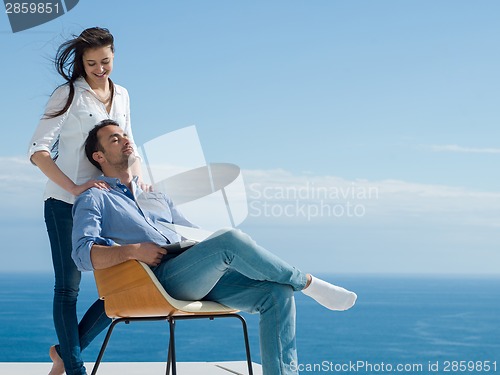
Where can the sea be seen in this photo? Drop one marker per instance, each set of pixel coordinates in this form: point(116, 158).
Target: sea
point(400, 324)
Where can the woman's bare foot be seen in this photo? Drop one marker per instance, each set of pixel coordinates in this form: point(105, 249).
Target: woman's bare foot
point(57, 362)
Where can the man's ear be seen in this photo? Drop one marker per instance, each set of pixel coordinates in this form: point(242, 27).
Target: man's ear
point(98, 156)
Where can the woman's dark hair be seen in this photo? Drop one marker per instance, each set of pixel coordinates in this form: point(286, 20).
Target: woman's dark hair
point(92, 142)
point(69, 59)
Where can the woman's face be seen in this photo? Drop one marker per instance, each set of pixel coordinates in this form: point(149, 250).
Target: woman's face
point(98, 65)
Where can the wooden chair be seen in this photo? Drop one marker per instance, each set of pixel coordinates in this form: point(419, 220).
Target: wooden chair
point(131, 292)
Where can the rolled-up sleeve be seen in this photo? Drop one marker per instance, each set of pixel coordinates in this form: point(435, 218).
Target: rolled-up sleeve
point(49, 128)
point(87, 227)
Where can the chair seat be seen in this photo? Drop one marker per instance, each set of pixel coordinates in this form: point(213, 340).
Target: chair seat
point(208, 307)
point(131, 289)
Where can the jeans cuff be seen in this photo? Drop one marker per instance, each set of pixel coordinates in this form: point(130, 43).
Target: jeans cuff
point(58, 350)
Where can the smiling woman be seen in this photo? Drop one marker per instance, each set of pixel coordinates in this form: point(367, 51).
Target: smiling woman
point(89, 56)
point(87, 97)
point(98, 64)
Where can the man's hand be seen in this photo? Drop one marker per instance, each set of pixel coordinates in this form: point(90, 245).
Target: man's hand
point(145, 187)
point(149, 253)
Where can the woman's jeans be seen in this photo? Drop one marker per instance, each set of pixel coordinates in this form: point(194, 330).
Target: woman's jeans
point(232, 269)
point(73, 337)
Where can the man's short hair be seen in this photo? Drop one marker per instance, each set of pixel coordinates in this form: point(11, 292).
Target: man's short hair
point(92, 142)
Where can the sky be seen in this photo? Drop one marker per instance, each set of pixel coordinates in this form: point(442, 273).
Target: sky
point(367, 132)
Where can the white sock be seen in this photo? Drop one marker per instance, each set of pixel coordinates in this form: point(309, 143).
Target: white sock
point(331, 296)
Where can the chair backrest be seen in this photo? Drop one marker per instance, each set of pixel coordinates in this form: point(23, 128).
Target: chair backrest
point(131, 289)
point(128, 291)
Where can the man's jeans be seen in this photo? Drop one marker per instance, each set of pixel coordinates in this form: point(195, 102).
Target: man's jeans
point(73, 337)
point(232, 269)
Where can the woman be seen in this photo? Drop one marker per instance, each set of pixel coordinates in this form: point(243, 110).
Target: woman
point(74, 108)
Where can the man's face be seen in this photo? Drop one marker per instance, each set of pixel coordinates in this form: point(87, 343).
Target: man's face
point(118, 150)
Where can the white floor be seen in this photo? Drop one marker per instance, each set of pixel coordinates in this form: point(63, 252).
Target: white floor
point(137, 368)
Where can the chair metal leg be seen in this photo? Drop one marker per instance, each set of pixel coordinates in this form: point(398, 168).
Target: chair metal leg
point(105, 343)
point(171, 361)
point(169, 355)
point(247, 342)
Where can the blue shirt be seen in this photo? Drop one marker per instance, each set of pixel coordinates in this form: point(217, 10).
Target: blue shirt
point(121, 217)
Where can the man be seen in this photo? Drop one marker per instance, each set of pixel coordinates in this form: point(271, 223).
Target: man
point(228, 267)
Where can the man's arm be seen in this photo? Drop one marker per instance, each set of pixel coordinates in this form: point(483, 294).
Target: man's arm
point(108, 256)
point(92, 250)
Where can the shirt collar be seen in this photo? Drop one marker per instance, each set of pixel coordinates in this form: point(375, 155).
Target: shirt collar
point(113, 182)
point(82, 84)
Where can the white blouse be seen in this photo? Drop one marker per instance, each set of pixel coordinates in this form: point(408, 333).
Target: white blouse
point(69, 132)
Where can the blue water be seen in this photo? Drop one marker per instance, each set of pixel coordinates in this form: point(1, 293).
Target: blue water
point(413, 322)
